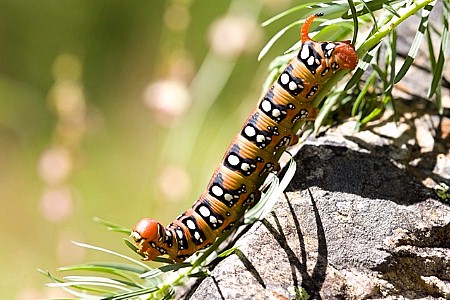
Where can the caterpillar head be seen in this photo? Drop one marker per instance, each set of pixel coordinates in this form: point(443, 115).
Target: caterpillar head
point(148, 235)
point(345, 55)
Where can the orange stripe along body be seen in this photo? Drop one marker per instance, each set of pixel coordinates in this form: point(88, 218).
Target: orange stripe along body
point(250, 157)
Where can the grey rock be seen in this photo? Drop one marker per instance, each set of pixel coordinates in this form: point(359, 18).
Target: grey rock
point(357, 222)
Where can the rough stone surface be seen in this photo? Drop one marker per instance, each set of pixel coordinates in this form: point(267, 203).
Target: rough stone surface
point(357, 222)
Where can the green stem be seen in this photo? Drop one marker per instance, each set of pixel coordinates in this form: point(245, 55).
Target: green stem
point(404, 14)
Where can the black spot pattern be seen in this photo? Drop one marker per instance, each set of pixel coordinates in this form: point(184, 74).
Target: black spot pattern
point(227, 196)
point(309, 57)
point(290, 83)
point(235, 162)
point(197, 235)
point(302, 114)
point(214, 220)
point(276, 112)
point(327, 49)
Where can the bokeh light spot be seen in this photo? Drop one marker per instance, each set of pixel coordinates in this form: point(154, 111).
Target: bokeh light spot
point(174, 183)
point(55, 165)
point(56, 204)
point(167, 99)
point(232, 35)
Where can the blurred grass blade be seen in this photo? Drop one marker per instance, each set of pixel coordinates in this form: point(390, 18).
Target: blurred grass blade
point(105, 267)
point(201, 274)
point(72, 291)
point(80, 289)
point(362, 67)
point(362, 94)
point(392, 53)
point(113, 253)
point(112, 226)
point(169, 294)
point(390, 9)
point(164, 269)
point(355, 20)
point(332, 9)
point(381, 74)
point(91, 280)
point(309, 4)
point(228, 252)
point(277, 35)
point(372, 15)
point(282, 15)
point(438, 71)
point(330, 102)
point(120, 270)
point(254, 214)
point(369, 7)
point(416, 42)
point(268, 200)
point(336, 30)
point(133, 294)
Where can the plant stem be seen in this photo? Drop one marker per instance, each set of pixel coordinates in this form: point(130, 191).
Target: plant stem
point(404, 14)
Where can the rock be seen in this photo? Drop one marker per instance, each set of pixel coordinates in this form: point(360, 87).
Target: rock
point(356, 222)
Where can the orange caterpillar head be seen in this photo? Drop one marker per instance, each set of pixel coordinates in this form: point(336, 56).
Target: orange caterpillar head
point(344, 53)
point(148, 234)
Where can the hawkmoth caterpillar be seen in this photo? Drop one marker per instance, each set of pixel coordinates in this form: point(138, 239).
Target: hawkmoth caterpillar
point(235, 183)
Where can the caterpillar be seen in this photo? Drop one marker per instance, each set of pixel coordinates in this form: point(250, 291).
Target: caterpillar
point(235, 183)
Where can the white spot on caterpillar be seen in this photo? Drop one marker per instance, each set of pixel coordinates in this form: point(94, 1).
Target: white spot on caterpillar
point(197, 236)
point(292, 85)
point(305, 52)
point(245, 167)
point(266, 106)
point(260, 138)
point(233, 160)
point(330, 46)
point(179, 233)
point(213, 220)
point(217, 190)
point(276, 112)
point(228, 197)
point(310, 60)
point(249, 131)
point(190, 224)
point(204, 211)
point(284, 78)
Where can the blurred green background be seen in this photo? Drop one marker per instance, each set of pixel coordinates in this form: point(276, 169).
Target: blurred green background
point(118, 110)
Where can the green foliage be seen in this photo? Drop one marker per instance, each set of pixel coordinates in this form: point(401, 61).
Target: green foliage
point(442, 191)
point(376, 76)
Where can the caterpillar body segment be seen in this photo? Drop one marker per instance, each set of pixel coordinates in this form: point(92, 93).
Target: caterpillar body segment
point(235, 184)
